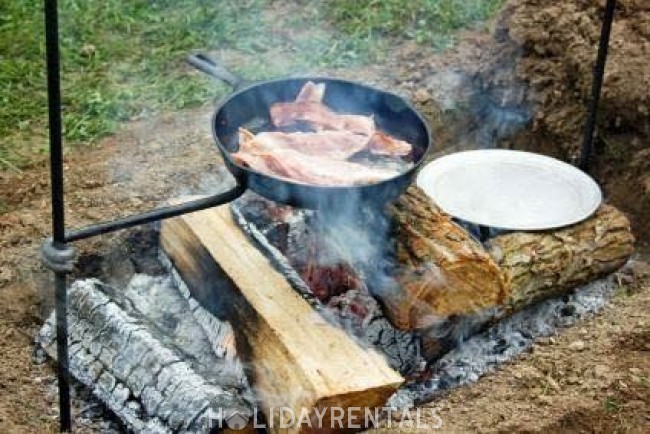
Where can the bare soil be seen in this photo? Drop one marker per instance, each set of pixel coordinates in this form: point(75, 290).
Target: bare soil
point(556, 387)
point(554, 46)
point(592, 378)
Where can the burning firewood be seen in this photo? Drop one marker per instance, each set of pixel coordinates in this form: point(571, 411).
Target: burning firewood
point(295, 358)
point(431, 275)
point(440, 270)
point(443, 272)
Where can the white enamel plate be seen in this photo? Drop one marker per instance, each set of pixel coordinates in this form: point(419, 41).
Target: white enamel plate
point(510, 189)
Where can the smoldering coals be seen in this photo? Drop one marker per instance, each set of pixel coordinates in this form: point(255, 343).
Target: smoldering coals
point(350, 246)
point(511, 336)
point(288, 238)
point(364, 237)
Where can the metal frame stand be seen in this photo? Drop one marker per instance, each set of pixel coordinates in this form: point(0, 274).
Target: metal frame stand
point(597, 83)
point(59, 256)
point(56, 253)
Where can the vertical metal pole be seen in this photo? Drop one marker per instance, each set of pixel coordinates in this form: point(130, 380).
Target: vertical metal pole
point(599, 71)
point(58, 222)
point(65, 416)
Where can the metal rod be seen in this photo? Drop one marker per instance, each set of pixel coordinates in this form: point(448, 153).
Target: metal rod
point(54, 102)
point(156, 214)
point(61, 307)
point(599, 71)
point(58, 210)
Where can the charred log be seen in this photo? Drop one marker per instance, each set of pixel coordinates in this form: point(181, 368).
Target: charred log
point(143, 353)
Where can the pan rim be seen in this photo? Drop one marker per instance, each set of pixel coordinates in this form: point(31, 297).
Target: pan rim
point(329, 188)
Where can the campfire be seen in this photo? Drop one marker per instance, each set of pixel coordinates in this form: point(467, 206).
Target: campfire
point(291, 308)
point(333, 288)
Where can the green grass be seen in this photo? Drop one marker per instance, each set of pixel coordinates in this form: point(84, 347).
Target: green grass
point(123, 59)
point(120, 59)
point(426, 21)
point(612, 405)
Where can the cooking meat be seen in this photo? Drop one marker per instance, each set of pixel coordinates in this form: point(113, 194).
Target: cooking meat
point(308, 169)
point(337, 145)
point(311, 92)
point(320, 117)
point(383, 144)
point(321, 157)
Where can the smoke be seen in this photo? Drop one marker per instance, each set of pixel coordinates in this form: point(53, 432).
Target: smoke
point(497, 122)
point(360, 233)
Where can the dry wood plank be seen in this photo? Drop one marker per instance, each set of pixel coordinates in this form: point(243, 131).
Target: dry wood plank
point(295, 359)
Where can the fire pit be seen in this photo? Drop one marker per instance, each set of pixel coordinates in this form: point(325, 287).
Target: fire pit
point(411, 330)
point(191, 374)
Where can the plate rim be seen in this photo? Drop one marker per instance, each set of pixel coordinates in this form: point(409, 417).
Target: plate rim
point(596, 191)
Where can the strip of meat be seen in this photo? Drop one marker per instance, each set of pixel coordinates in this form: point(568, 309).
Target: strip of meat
point(320, 117)
point(383, 144)
point(311, 92)
point(337, 145)
point(310, 169)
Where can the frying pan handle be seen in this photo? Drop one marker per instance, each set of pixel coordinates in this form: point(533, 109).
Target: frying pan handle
point(215, 69)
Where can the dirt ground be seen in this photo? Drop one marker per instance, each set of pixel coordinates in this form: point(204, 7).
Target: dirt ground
point(591, 378)
point(600, 385)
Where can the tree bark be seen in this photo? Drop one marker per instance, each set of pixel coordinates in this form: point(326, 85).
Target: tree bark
point(539, 265)
point(440, 270)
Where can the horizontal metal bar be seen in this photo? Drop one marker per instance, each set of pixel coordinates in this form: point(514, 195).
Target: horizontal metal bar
point(155, 215)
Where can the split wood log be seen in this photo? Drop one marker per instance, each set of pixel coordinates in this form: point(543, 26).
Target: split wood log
point(289, 244)
point(295, 359)
point(444, 273)
point(441, 270)
point(539, 265)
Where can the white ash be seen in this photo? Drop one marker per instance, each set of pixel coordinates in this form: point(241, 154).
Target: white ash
point(215, 330)
point(144, 357)
point(503, 341)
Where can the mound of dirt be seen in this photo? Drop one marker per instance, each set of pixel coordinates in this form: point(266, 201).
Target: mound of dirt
point(543, 61)
point(558, 42)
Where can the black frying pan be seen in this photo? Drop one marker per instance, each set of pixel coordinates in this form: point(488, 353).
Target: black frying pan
point(249, 107)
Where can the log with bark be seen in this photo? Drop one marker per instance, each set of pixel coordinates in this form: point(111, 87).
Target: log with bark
point(539, 265)
point(295, 358)
point(440, 271)
point(443, 273)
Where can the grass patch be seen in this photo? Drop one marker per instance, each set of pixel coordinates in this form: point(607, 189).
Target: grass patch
point(120, 59)
point(612, 405)
point(124, 59)
point(426, 21)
